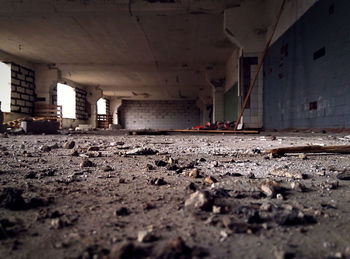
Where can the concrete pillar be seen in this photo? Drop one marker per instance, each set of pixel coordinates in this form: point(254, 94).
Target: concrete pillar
point(46, 80)
point(115, 103)
point(94, 93)
point(218, 104)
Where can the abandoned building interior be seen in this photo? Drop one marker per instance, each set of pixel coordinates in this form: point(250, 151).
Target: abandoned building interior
point(174, 129)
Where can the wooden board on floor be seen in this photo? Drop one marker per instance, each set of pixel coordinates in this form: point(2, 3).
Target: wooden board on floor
point(214, 131)
point(344, 149)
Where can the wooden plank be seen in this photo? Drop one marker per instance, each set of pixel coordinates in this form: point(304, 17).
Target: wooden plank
point(344, 149)
point(213, 131)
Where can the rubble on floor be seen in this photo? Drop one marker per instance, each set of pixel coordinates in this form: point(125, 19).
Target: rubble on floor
point(172, 196)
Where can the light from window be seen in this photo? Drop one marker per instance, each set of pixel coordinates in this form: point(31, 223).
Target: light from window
point(102, 106)
point(5, 87)
point(66, 98)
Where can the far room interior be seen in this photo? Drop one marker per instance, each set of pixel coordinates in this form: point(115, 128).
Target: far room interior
point(174, 129)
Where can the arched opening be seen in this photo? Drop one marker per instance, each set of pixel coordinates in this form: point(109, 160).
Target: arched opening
point(66, 99)
point(103, 115)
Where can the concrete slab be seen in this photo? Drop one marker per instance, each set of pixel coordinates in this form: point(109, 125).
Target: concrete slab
point(38, 127)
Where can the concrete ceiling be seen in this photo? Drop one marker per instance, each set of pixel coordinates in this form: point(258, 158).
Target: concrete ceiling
point(156, 49)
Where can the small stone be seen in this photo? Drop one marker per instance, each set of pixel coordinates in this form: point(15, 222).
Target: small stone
point(273, 155)
point(283, 172)
point(177, 248)
point(160, 163)
point(279, 196)
point(69, 144)
point(214, 163)
point(57, 223)
point(145, 236)
point(12, 199)
point(223, 235)
point(172, 167)
point(93, 148)
point(338, 255)
point(284, 255)
point(54, 146)
point(227, 221)
point(210, 180)
point(179, 171)
point(345, 175)
point(31, 175)
point(121, 180)
point(142, 151)
point(251, 176)
point(150, 167)
point(321, 173)
point(107, 168)
point(256, 151)
point(171, 161)
point(216, 209)
point(44, 148)
point(330, 185)
point(123, 211)
point(269, 190)
point(298, 187)
point(193, 173)
point(199, 200)
point(158, 181)
point(288, 207)
point(192, 187)
point(74, 153)
point(302, 156)
point(265, 206)
point(86, 163)
point(127, 250)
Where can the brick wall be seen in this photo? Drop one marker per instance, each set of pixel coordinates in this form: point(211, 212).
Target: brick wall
point(80, 104)
point(159, 114)
point(306, 70)
point(23, 89)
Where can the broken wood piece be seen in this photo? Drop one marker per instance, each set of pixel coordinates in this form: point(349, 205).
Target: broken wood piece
point(214, 131)
point(345, 149)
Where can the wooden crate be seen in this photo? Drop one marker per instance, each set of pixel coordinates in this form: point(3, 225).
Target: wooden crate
point(48, 112)
point(103, 121)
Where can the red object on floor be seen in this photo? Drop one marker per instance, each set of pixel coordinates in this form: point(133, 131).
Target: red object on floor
point(198, 127)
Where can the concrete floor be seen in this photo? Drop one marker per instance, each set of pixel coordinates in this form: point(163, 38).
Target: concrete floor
point(129, 205)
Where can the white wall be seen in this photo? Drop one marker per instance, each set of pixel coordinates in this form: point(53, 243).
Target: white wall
point(5, 87)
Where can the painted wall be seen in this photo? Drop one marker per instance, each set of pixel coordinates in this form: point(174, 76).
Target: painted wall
point(293, 10)
point(231, 97)
point(159, 114)
point(307, 79)
point(231, 103)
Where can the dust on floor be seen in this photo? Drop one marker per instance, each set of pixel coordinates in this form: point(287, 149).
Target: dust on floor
point(175, 196)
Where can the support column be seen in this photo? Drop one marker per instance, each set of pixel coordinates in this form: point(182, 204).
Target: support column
point(46, 80)
point(218, 104)
point(114, 105)
point(93, 96)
